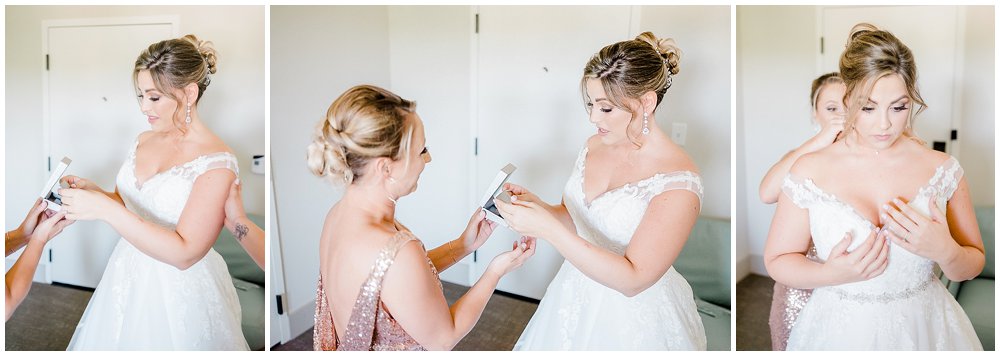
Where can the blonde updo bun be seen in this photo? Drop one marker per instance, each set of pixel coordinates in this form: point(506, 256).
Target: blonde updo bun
point(364, 123)
point(207, 50)
point(666, 48)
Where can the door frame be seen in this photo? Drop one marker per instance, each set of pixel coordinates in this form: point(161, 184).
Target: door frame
point(45, 272)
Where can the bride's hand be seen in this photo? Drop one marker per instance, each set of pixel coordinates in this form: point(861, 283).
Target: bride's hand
point(923, 236)
point(83, 204)
point(79, 183)
point(522, 193)
point(508, 261)
point(867, 261)
point(477, 231)
point(528, 218)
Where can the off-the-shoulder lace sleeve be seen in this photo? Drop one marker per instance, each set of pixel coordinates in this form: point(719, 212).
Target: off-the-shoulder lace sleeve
point(664, 182)
point(945, 179)
point(219, 160)
point(797, 189)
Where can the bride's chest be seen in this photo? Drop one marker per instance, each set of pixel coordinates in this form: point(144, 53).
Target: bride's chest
point(163, 194)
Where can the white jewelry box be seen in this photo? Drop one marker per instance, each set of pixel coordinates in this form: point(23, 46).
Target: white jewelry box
point(493, 191)
point(50, 191)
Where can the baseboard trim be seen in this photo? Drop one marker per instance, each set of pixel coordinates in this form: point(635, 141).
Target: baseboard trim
point(743, 268)
point(757, 265)
point(301, 319)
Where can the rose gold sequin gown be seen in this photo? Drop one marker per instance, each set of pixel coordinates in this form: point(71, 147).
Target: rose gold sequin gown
point(785, 307)
point(371, 326)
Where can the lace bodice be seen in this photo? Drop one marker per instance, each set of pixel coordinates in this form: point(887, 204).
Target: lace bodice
point(610, 219)
point(144, 304)
point(371, 327)
point(162, 197)
point(830, 218)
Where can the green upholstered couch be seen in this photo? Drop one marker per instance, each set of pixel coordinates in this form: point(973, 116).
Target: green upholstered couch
point(249, 282)
point(705, 263)
point(977, 296)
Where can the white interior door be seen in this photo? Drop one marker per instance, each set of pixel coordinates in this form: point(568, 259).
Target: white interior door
point(530, 62)
point(93, 118)
point(279, 330)
point(931, 33)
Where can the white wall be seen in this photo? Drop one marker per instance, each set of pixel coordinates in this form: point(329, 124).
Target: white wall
point(775, 65)
point(777, 54)
point(977, 140)
point(317, 52)
point(233, 105)
point(432, 64)
point(699, 95)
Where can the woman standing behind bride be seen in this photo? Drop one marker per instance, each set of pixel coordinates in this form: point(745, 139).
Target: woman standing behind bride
point(627, 210)
point(164, 287)
point(882, 210)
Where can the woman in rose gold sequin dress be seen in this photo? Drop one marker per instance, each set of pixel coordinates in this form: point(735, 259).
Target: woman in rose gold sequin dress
point(378, 287)
point(826, 99)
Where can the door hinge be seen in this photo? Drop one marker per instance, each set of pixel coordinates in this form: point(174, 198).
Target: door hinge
point(821, 45)
point(50, 163)
point(475, 147)
point(477, 23)
point(46, 62)
point(50, 255)
point(281, 309)
point(475, 255)
point(954, 135)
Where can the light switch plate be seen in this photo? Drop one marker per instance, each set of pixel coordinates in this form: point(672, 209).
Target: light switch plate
point(678, 133)
point(258, 164)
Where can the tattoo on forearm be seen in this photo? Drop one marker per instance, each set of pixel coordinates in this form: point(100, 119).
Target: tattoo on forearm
point(241, 232)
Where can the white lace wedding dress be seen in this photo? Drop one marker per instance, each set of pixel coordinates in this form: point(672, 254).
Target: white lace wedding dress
point(904, 308)
point(144, 304)
point(578, 313)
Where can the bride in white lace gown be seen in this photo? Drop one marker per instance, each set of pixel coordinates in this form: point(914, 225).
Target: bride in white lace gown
point(164, 287)
point(627, 210)
point(882, 210)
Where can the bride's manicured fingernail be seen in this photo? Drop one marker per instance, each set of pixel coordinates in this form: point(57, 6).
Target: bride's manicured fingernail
point(885, 207)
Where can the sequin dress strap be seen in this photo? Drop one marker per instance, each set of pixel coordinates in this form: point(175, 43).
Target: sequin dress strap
point(324, 334)
point(361, 327)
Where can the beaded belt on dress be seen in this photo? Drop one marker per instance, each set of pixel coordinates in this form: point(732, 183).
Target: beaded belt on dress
point(882, 297)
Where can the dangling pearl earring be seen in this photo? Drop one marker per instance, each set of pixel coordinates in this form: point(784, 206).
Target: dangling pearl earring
point(645, 123)
point(391, 181)
point(187, 120)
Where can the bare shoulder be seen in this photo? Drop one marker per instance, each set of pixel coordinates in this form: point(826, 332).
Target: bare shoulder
point(926, 155)
point(812, 164)
point(143, 136)
point(593, 141)
point(209, 144)
point(670, 157)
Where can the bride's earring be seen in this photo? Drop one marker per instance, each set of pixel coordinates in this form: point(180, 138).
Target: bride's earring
point(387, 195)
point(645, 123)
point(187, 120)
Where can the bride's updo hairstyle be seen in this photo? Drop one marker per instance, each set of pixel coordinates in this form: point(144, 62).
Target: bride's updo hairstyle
point(364, 123)
point(629, 69)
point(174, 64)
point(873, 54)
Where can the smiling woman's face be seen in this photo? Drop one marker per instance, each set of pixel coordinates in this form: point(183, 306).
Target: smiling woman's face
point(612, 122)
point(158, 108)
